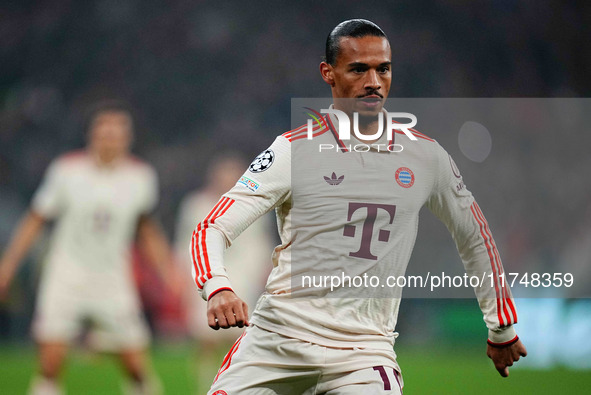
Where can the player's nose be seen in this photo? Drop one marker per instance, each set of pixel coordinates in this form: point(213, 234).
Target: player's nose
point(373, 80)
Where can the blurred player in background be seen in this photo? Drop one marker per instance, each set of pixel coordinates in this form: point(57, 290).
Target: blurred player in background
point(247, 261)
point(101, 199)
point(320, 344)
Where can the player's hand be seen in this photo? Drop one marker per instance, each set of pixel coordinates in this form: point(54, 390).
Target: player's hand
point(225, 310)
point(503, 357)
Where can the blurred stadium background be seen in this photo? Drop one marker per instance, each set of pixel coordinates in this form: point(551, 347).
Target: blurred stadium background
point(205, 77)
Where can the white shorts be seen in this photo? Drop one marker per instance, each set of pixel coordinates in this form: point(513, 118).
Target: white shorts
point(266, 363)
point(115, 323)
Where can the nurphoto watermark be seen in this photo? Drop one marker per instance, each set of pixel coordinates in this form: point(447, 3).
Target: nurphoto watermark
point(340, 123)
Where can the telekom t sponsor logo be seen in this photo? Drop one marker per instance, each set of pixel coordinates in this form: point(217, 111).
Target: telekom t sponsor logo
point(368, 227)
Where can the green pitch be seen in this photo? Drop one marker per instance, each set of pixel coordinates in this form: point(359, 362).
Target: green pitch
point(425, 371)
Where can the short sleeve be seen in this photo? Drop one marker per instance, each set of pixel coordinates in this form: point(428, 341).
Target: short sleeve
point(48, 199)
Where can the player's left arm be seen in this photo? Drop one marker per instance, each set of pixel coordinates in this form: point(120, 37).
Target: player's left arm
point(151, 240)
point(23, 238)
point(153, 244)
point(47, 204)
point(455, 206)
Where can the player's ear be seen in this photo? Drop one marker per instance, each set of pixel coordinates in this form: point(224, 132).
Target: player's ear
point(326, 71)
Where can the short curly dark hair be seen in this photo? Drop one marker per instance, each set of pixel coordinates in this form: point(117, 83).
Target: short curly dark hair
point(103, 106)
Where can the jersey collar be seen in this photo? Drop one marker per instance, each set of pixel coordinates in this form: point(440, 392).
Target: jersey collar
point(345, 145)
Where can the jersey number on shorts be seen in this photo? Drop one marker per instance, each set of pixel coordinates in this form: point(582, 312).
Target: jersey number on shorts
point(384, 376)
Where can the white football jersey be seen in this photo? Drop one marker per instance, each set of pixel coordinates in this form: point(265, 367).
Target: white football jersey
point(348, 212)
point(96, 211)
point(247, 262)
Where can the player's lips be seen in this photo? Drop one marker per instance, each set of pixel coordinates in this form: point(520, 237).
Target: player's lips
point(370, 101)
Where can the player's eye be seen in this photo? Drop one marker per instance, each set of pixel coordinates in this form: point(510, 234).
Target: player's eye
point(358, 69)
point(384, 69)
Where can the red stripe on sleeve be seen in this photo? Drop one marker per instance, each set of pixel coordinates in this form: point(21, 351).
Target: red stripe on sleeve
point(291, 132)
point(303, 132)
point(505, 344)
point(492, 263)
point(197, 250)
point(207, 272)
point(419, 135)
point(201, 246)
point(422, 135)
point(195, 259)
point(201, 267)
point(211, 295)
point(505, 291)
point(303, 136)
point(230, 203)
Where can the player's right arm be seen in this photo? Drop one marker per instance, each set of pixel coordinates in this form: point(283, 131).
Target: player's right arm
point(265, 185)
point(46, 204)
point(22, 239)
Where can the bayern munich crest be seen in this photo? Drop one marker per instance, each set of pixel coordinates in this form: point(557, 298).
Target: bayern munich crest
point(405, 177)
point(262, 162)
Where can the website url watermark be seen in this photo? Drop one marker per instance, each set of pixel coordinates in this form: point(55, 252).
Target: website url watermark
point(433, 282)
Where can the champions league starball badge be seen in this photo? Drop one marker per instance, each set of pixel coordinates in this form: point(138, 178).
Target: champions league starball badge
point(262, 162)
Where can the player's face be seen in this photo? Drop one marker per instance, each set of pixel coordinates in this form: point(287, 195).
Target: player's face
point(362, 72)
point(110, 135)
